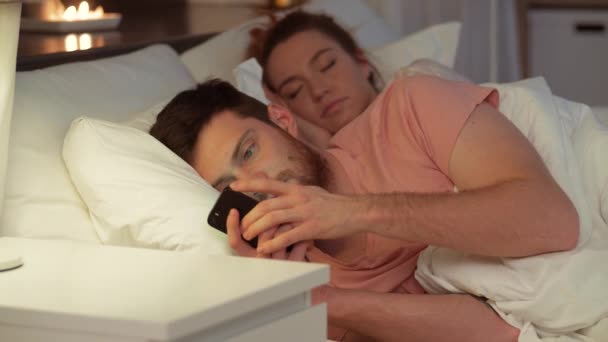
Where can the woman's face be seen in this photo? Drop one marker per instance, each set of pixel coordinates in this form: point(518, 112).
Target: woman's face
point(319, 81)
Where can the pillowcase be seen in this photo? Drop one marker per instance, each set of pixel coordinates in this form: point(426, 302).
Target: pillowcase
point(437, 43)
point(138, 192)
point(40, 199)
point(218, 56)
point(368, 28)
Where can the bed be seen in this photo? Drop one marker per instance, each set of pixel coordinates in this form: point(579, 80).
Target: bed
point(48, 199)
point(81, 166)
point(65, 201)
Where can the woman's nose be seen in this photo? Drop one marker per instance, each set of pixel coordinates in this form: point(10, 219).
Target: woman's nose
point(319, 88)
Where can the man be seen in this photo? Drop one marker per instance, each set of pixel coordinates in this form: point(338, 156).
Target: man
point(381, 194)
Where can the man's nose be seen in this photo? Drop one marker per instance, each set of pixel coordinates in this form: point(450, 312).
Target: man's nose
point(246, 175)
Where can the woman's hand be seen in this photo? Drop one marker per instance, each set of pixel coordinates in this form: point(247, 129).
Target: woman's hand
point(313, 212)
point(242, 248)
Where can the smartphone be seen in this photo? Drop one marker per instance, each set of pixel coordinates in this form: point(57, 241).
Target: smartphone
point(231, 199)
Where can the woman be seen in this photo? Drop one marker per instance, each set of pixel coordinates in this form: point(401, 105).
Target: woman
point(328, 81)
point(314, 68)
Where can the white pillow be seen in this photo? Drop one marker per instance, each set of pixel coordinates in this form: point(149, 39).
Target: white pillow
point(219, 55)
point(40, 199)
point(438, 43)
point(138, 192)
point(365, 25)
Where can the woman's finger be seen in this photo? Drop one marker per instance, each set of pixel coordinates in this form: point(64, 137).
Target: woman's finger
point(297, 234)
point(263, 185)
point(265, 207)
point(234, 236)
point(273, 219)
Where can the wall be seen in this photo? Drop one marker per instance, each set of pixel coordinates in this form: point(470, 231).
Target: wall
point(488, 46)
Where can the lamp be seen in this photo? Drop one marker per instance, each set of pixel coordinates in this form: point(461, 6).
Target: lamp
point(10, 13)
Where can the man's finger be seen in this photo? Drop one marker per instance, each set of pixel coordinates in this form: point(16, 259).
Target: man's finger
point(280, 255)
point(298, 253)
point(234, 236)
point(263, 238)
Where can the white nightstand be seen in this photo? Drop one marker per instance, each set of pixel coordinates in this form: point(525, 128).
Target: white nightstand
point(68, 291)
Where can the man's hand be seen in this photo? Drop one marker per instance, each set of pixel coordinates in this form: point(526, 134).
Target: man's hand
point(242, 248)
point(313, 212)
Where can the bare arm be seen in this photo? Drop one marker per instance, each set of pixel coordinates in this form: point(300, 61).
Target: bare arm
point(508, 205)
point(420, 318)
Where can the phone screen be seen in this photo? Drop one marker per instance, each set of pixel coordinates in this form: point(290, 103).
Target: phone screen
point(231, 199)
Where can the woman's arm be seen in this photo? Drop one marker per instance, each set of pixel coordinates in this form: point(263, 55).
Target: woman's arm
point(508, 205)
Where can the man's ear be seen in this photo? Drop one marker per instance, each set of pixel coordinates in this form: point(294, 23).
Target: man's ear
point(283, 118)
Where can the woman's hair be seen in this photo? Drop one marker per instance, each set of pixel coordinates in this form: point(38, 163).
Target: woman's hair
point(264, 42)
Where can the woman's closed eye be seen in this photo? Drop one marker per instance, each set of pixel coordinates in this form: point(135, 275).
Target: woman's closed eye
point(293, 94)
point(328, 66)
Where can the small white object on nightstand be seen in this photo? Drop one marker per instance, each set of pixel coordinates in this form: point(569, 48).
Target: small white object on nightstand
point(9, 259)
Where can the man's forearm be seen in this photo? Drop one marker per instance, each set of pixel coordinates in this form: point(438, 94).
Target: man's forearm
point(403, 317)
point(513, 219)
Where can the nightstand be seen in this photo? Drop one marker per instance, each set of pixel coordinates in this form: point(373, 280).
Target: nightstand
point(69, 291)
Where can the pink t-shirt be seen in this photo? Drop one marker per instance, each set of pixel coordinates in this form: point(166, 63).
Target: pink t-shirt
point(401, 143)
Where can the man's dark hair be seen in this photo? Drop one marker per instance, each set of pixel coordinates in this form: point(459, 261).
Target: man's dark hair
point(179, 123)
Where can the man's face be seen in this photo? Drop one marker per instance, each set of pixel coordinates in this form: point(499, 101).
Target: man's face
point(231, 147)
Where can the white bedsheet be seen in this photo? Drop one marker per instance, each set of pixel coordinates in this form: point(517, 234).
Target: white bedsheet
point(558, 296)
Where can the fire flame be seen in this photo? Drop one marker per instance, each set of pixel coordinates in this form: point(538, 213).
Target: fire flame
point(71, 13)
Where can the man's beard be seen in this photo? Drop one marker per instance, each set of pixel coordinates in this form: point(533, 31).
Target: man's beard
point(308, 166)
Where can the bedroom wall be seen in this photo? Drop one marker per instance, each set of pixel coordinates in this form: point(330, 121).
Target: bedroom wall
point(488, 48)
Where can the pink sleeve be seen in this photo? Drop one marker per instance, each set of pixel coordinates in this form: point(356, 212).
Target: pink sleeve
point(433, 111)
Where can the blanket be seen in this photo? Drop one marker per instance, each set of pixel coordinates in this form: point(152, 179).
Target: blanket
point(556, 296)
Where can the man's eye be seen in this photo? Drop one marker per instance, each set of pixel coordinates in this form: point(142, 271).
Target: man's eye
point(329, 65)
point(249, 152)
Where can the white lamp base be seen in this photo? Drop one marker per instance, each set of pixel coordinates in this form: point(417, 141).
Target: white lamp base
point(9, 259)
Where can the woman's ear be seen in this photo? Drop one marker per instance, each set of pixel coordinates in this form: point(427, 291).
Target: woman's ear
point(363, 62)
point(283, 118)
point(272, 96)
